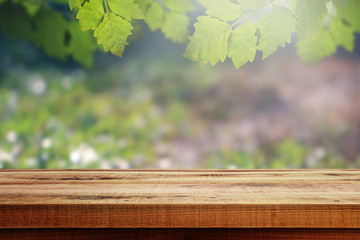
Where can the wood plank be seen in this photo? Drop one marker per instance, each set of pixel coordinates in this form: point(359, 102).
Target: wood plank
point(180, 199)
point(179, 234)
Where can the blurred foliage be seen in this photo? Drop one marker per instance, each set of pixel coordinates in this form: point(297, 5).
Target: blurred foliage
point(52, 119)
point(286, 154)
point(44, 24)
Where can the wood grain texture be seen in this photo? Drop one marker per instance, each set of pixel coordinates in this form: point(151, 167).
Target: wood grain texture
point(180, 199)
point(180, 234)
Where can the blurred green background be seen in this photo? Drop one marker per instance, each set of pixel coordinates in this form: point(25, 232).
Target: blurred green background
point(155, 109)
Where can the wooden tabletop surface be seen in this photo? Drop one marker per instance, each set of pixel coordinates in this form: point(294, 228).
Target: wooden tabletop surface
point(180, 198)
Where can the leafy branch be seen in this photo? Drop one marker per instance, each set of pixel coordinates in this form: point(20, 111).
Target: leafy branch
point(228, 28)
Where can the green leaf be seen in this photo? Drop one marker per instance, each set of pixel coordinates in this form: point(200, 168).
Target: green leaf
point(180, 6)
point(222, 9)
point(275, 30)
point(90, 15)
point(112, 33)
point(318, 45)
point(81, 45)
point(2, 1)
point(293, 5)
point(143, 4)
point(351, 13)
point(31, 8)
point(342, 34)
point(75, 3)
point(126, 9)
point(175, 26)
point(251, 4)
point(339, 3)
point(51, 28)
point(242, 44)
point(214, 37)
point(310, 14)
point(170, 17)
point(209, 42)
point(154, 16)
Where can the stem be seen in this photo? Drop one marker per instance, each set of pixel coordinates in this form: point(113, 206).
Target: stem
point(108, 14)
point(242, 18)
point(106, 6)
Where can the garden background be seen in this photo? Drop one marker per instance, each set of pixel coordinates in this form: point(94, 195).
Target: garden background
point(155, 109)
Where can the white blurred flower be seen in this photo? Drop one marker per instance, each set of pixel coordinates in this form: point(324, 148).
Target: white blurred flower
point(31, 162)
point(83, 155)
point(11, 136)
point(165, 163)
point(37, 84)
point(232, 166)
point(313, 159)
point(5, 156)
point(66, 82)
point(46, 143)
point(75, 157)
point(319, 153)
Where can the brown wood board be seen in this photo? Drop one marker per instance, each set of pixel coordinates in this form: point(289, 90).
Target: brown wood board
point(180, 199)
point(179, 234)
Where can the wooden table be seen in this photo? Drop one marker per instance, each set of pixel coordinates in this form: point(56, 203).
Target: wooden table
point(179, 204)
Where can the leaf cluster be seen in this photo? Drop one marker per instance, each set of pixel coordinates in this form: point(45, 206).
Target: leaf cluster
point(228, 29)
point(238, 29)
point(235, 29)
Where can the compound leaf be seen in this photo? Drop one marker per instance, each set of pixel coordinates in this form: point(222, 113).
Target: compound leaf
point(251, 4)
point(319, 45)
point(90, 15)
point(222, 9)
point(242, 44)
point(178, 33)
point(75, 3)
point(339, 3)
point(81, 45)
point(350, 13)
point(342, 34)
point(155, 16)
point(275, 30)
point(112, 33)
point(209, 42)
point(51, 28)
point(126, 9)
point(310, 14)
point(180, 6)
